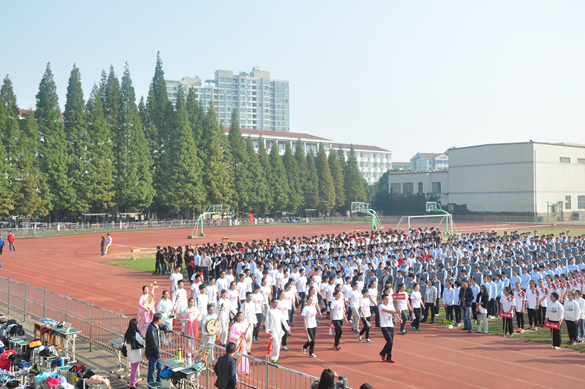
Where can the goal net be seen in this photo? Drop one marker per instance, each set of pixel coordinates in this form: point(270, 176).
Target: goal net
point(423, 221)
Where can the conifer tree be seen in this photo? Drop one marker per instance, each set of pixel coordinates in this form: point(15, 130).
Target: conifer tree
point(326, 186)
point(5, 195)
point(217, 175)
point(76, 138)
point(196, 119)
point(259, 187)
point(100, 156)
point(337, 176)
point(33, 188)
point(54, 161)
point(102, 87)
point(11, 139)
point(302, 168)
point(134, 182)
point(240, 165)
point(112, 106)
point(5, 198)
point(353, 181)
point(311, 184)
point(277, 180)
point(184, 191)
point(295, 197)
point(264, 160)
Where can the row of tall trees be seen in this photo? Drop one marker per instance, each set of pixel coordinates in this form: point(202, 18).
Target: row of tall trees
point(109, 154)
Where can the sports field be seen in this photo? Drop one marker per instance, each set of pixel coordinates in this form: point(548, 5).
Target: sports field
point(434, 357)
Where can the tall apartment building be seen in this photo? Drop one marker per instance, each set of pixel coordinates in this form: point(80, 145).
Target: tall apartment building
point(262, 103)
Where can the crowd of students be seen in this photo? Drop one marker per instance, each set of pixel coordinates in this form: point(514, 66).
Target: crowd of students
point(376, 280)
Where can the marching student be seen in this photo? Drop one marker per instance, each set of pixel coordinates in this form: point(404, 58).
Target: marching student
point(572, 314)
point(373, 298)
point(403, 307)
point(555, 314)
point(508, 306)
point(520, 297)
point(532, 304)
point(309, 312)
point(365, 315)
point(277, 327)
point(416, 300)
point(282, 306)
point(480, 304)
point(354, 304)
point(386, 312)
point(338, 316)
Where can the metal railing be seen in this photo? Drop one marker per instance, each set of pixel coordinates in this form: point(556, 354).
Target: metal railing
point(99, 326)
point(42, 231)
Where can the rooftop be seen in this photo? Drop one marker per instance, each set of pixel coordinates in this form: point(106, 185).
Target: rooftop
point(430, 155)
point(566, 144)
point(359, 147)
point(278, 134)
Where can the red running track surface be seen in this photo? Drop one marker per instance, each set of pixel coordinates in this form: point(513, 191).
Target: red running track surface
point(434, 357)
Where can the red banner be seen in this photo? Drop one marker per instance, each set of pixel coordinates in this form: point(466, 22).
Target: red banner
point(399, 296)
point(506, 314)
point(554, 326)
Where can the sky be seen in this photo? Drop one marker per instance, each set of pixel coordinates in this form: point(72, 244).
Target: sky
point(408, 76)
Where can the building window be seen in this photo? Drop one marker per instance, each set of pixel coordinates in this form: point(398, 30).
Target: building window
point(565, 160)
point(581, 161)
point(408, 187)
point(567, 202)
point(420, 187)
point(581, 202)
point(436, 187)
point(394, 188)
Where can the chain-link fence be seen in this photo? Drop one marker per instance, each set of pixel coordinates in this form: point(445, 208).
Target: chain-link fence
point(98, 326)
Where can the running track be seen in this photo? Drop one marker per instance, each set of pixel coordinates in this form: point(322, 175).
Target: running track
point(435, 357)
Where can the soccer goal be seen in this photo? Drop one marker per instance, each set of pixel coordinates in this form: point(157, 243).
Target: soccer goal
point(443, 221)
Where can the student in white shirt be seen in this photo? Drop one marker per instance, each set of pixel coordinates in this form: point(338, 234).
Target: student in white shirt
point(337, 317)
point(258, 301)
point(354, 305)
point(581, 322)
point(555, 314)
point(532, 297)
point(386, 312)
point(543, 296)
point(233, 295)
point(175, 277)
point(572, 314)
point(282, 306)
point(449, 302)
point(482, 300)
point(520, 297)
point(417, 304)
point(365, 315)
point(309, 312)
point(403, 307)
point(508, 306)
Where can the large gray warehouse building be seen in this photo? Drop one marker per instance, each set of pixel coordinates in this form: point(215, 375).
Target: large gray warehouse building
point(506, 177)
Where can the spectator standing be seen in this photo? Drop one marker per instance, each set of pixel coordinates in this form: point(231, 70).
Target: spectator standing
point(11, 239)
point(1, 244)
point(152, 352)
point(134, 355)
point(225, 369)
point(108, 243)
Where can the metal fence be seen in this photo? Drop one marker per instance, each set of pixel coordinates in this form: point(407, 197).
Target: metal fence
point(40, 231)
point(99, 326)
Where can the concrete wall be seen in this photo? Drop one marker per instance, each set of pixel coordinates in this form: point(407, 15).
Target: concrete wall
point(493, 178)
point(555, 180)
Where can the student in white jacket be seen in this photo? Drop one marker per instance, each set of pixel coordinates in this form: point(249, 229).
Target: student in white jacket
point(581, 325)
point(572, 314)
point(555, 314)
point(134, 355)
point(275, 326)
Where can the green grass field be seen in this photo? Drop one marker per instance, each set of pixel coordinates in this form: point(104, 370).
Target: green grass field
point(143, 264)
